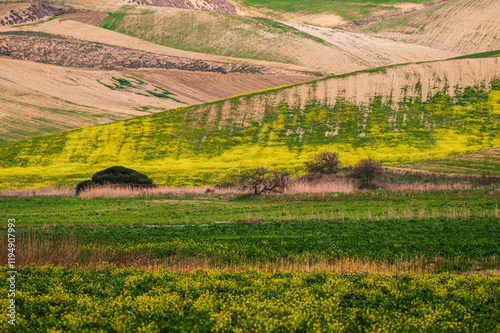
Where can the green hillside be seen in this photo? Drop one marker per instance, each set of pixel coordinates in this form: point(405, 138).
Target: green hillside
point(484, 162)
point(211, 33)
point(347, 9)
point(198, 144)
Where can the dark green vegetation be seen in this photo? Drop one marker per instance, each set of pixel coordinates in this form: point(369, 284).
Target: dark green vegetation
point(129, 83)
point(114, 300)
point(451, 244)
point(120, 175)
point(481, 55)
point(114, 175)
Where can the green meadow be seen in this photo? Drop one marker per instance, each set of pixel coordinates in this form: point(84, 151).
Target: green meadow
point(348, 10)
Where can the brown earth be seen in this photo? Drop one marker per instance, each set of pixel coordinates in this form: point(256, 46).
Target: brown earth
point(85, 32)
point(356, 51)
point(88, 17)
point(327, 20)
point(40, 99)
point(196, 87)
point(461, 26)
point(405, 10)
point(61, 51)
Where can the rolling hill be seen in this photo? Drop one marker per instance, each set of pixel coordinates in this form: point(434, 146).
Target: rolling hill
point(435, 110)
point(47, 87)
point(461, 26)
point(262, 39)
point(39, 99)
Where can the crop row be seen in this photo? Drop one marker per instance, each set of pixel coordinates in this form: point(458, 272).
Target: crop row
point(124, 300)
point(455, 245)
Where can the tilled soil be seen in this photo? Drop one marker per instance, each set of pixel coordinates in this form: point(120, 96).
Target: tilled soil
point(10, 15)
point(49, 49)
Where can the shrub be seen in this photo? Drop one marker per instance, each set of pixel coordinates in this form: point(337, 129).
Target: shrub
point(325, 162)
point(263, 180)
point(366, 172)
point(120, 175)
point(84, 185)
point(114, 175)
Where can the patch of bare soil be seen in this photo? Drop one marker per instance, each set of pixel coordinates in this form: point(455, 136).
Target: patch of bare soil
point(85, 32)
point(371, 51)
point(61, 51)
point(327, 20)
point(90, 17)
point(218, 6)
point(196, 87)
point(462, 26)
point(18, 13)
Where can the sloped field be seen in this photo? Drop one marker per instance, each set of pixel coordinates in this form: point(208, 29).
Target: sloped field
point(262, 39)
point(84, 32)
point(40, 99)
point(345, 9)
point(484, 162)
point(429, 114)
point(462, 26)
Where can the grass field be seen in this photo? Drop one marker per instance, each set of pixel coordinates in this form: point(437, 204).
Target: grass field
point(212, 33)
point(259, 38)
point(482, 162)
point(347, 9)
point(202, 209)
point(302, 262)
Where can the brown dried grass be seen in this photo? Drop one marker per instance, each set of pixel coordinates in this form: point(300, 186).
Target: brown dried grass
point(127, 192)
point(25, 193)
point(324, 186)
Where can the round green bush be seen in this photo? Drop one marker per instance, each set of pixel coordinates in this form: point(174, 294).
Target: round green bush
point(120, 175)
point(82, 186)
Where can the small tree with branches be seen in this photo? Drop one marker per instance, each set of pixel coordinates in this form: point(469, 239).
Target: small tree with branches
point(366, 172)
point(262, 180)
point(325, 162)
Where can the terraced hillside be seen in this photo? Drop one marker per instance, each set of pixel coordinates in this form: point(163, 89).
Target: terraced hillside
point(262, 39)
point(462, 26)
point(430, 113)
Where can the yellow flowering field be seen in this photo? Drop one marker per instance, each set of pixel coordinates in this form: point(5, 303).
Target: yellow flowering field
point(198, 145)
point(127, 300)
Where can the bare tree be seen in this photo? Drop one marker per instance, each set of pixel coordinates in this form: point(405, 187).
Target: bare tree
point(262, 180)
point(366, 172)
point(325, 162)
